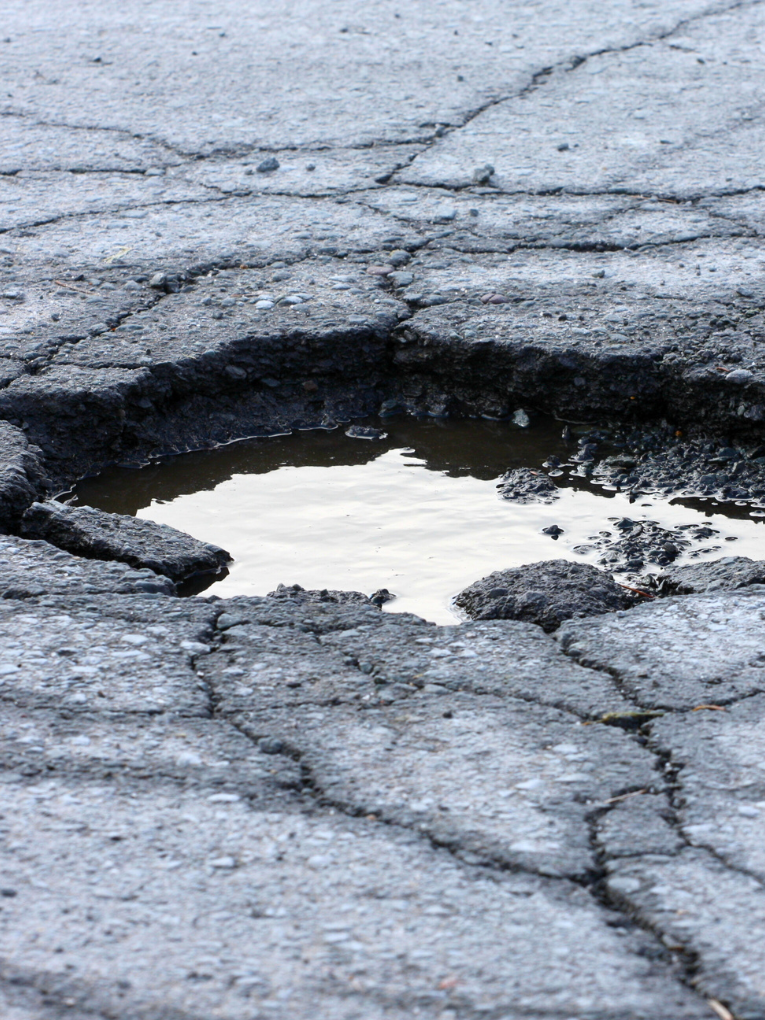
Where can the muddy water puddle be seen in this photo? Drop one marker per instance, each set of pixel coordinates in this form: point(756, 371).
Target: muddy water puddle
point(418, 512)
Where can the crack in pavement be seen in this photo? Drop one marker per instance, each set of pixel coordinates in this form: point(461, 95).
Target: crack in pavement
point(572, 63)
point(679, 962)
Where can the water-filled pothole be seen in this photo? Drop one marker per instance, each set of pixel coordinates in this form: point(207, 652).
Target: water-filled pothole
point(419, 512)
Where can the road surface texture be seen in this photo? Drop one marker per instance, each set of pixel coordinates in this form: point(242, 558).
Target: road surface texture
point(221, 220)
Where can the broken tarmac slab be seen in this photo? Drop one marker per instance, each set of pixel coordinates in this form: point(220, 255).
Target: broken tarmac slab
point(677, 653)
point(334, 744)
point(726, 574)
point(32, 567)
point(21, 474)
point(545, 593)
point(692, 868)
point(323, 653)
point(581, 772)
point(123, 654)
point(95, 534)
point(497, 780)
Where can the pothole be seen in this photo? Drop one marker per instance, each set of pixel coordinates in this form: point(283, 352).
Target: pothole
point(424, 511)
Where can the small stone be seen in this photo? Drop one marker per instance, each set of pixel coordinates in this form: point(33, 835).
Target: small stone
point(563, 147)
point(227, 620)
point(521, 418)
point(748, 811)
point(98, 329)
point(271, 745)
point(483, 174)
point(268, 165)
point(365, 432)
point(158, 281)
point(444, 214)
point(379, 270)
point(264, 305)
point(553, 531)
point(493, 299)
point(624, 884)
point(399, 257)
point(740, 376)
point(401, 279)
point(222, 862)
point(524, 485)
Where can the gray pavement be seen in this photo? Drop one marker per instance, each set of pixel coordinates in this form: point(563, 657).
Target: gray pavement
point(277, 808)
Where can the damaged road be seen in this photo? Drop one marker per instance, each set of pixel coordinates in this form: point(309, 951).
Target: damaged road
point(217, 223)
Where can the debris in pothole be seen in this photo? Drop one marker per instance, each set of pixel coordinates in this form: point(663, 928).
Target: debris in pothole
point(297, 595)
point(553, 531)
point(544, 593)
point(663, 460)
point(365, 432)
point(524, 485)
point(632, 544)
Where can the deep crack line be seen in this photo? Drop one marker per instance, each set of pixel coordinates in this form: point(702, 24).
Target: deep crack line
point(676, 790)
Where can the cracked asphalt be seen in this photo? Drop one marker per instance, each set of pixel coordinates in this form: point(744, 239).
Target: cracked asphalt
point(226, 220)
